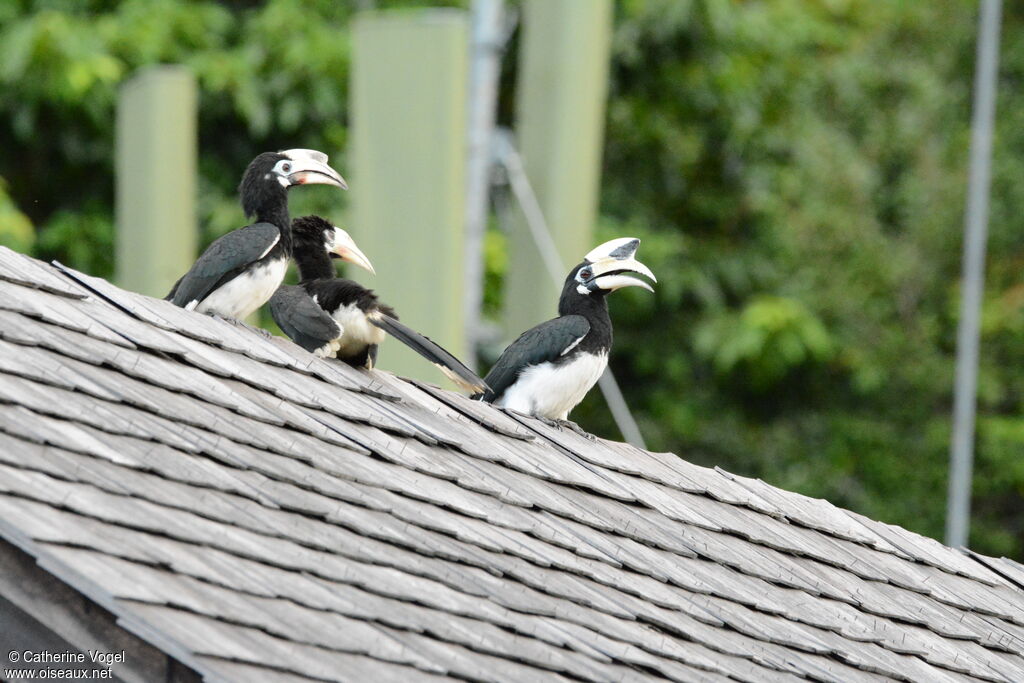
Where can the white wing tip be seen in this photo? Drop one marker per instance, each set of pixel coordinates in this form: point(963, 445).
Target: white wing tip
point(462, 382)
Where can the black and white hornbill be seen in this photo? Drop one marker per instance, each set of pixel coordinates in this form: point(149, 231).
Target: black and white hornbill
point(241, 270)
point(548, 370)
point(337, 318)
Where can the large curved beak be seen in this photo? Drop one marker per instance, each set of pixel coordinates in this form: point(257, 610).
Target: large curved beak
point(309, 167)
point(307, 172)
point(344, 247)
point(611, 259)
point(614, 279)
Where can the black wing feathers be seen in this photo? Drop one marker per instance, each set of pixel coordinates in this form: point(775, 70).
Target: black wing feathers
point(228, 256)
point(298, 316)
point(545, 342)
point(292, 309)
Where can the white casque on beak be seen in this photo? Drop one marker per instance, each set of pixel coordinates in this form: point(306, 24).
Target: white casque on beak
point(608, 260)
point(620, 247)
point(344, 246)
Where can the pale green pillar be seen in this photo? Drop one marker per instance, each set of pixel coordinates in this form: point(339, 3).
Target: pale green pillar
point(563, 83)
point(156, 179)
point(406, 169)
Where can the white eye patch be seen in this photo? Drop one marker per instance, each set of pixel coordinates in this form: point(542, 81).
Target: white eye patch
point(281, 170)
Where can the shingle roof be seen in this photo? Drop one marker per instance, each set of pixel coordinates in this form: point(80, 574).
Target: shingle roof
point(264, 515)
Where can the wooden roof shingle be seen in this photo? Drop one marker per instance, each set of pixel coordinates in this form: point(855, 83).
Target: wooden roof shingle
point(261, 514)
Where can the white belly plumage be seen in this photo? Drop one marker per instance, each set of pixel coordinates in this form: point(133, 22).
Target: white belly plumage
point(240, 297)
point(357, 331)
point(551, 391)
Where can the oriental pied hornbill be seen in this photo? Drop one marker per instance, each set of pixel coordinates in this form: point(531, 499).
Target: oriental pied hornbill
point(548, 370)
point(242, 269)
point(338, 318)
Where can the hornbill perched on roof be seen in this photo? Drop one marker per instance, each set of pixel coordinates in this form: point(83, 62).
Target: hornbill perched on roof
point(548, 370)
point(338, 318)
point(242, 269)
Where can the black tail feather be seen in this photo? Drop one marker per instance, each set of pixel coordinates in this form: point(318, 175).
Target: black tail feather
point(451, 366)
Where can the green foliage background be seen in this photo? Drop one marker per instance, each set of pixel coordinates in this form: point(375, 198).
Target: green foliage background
point(796, 169)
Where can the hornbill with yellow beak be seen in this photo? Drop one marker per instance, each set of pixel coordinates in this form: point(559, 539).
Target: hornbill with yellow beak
point(548, 370)
point(241, 270)
point(337, 318)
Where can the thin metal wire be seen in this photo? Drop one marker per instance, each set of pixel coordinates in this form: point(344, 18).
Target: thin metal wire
point(508, 156)
point(975, 234)
point(486, 46)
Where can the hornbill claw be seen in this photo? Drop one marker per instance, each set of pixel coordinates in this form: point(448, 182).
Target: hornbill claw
point(559, 424)
point(576, 428)
point(241, 323)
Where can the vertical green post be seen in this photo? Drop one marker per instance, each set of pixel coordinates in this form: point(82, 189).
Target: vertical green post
point(156, 179)
point(407, 171)
point(563, 77)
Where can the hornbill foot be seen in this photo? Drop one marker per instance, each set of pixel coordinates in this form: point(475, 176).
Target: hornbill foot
point(224, 319)
point(239, 323)
point(555, 423)
point(576, 428)
point(550, 422)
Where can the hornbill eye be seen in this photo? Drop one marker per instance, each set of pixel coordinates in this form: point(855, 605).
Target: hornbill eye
point(585, 274)
point(286, 167)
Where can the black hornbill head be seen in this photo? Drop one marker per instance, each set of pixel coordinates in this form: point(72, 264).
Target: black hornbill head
point(270, 174)
point(311, 233)
point(602, 269)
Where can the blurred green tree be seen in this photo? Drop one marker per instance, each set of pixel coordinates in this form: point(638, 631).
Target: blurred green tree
point(795, 168)
point(272, 75)
point(15, 227)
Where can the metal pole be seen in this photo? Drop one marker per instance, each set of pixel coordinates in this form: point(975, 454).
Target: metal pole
point(554, 264)
point(156, 151)
point(562, 83)
point(407, 170)
point(975, 229)
point(485, 50)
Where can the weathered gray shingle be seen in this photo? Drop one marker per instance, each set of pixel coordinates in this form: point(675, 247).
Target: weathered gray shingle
point(264, 515)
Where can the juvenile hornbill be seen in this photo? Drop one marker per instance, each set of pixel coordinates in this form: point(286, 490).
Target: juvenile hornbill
point(241, 270)
point(337, 318)
point(548, 370)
